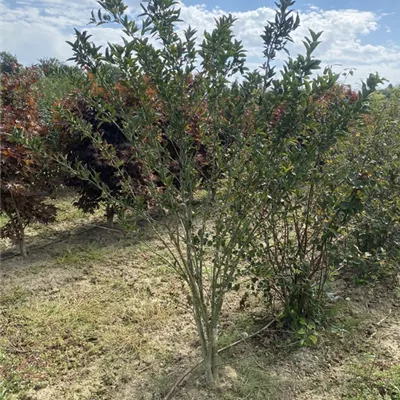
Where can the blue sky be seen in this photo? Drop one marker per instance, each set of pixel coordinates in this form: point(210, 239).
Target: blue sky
point(365, 5)
point(389, 7)
point(360, 34)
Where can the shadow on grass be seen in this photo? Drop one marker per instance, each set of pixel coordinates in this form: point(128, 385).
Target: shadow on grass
point(46, 243)
point(71, 227)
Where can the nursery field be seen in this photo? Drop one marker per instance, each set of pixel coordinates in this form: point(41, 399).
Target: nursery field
point(174, 225)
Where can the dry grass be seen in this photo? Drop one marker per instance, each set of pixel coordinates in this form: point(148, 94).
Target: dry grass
point(98, 316)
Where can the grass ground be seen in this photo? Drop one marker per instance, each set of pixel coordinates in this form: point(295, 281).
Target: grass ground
point(96, 315)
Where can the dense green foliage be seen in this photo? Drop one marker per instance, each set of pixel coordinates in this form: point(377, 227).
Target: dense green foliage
point(370, 245)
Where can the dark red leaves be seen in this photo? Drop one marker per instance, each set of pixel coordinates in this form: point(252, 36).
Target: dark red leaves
point(22, 180)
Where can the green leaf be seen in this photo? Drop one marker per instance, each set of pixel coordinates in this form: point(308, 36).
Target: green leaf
point(313, 339)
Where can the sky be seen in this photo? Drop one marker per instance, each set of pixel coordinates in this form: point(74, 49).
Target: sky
point(360, 34)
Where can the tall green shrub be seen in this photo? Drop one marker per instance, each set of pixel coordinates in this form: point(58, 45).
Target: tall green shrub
point(312, 195)
point(188, 131)
point(371, 243)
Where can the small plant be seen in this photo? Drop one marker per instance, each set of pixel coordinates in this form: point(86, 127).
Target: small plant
point(307, 334)
point(25, 178)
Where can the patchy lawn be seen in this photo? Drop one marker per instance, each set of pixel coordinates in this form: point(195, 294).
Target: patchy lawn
point(96, 315)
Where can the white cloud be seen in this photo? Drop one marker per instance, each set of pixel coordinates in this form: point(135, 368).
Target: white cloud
point(36, 29)
point(32, 41)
